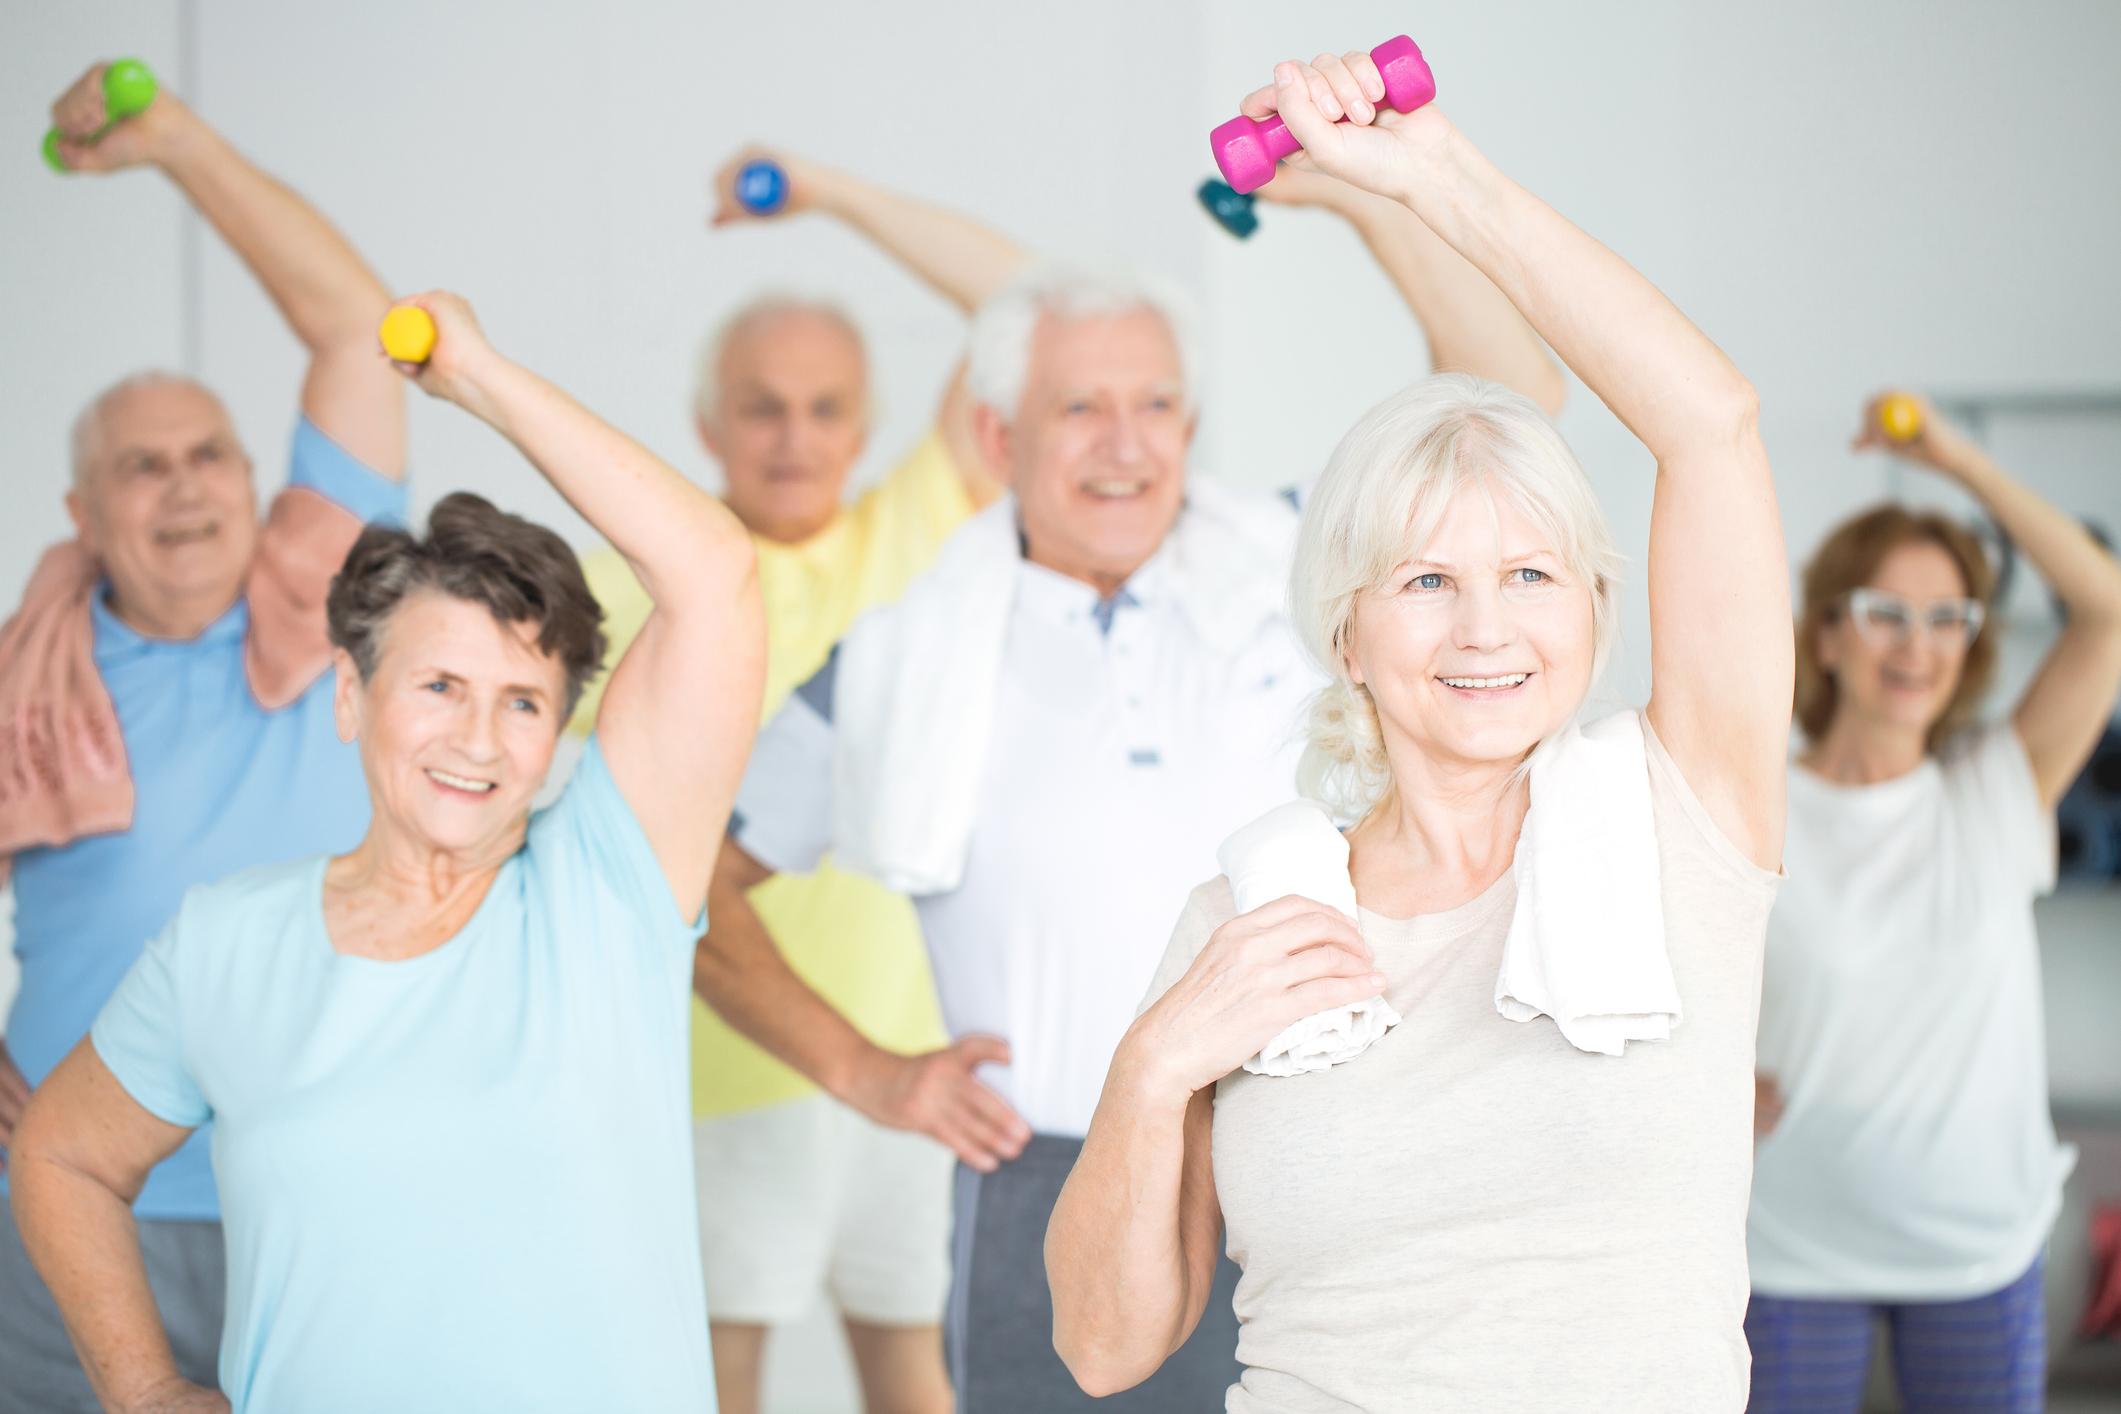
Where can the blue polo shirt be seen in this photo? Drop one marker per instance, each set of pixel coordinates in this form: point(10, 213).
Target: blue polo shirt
point(219, 784)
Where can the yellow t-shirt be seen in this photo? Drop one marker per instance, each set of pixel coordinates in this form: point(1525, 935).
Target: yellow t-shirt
point(856, 943)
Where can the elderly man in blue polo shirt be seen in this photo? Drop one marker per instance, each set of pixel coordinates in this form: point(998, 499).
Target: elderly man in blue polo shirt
point(165, 704)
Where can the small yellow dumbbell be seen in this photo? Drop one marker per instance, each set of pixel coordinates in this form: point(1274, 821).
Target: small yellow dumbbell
point(1900, 416)
point(408, 334)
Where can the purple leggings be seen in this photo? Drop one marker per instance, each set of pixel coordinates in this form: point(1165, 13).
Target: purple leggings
point(1987, 1354)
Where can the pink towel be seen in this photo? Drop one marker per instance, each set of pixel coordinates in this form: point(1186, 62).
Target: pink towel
point(63, 769)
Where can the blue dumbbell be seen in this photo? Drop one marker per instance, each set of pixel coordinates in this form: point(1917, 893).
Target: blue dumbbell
point(762, 187)
point(1231, 208)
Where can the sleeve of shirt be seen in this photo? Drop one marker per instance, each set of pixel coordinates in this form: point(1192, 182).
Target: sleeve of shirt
point(783, 814)
point(139, 1035)
point(1207, 908)
point(592, 832)
point(2001, 798)
point(316, 463)
point(312, 524)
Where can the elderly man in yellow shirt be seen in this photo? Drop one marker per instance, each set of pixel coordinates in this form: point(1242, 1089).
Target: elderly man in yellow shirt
point(800, 1195)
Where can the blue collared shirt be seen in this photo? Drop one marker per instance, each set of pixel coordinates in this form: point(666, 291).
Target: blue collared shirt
point(219, 784)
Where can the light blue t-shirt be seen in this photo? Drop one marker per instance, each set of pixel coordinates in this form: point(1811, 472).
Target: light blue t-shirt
point(219, 784)
point(457, 1182)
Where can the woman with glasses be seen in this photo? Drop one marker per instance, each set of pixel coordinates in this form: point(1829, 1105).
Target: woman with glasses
point(1908, 1166)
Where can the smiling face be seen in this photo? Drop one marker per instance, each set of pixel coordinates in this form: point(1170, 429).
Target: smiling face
point(163, 500)
point(1479, 645)
point(1901, 681)
point(457, 725)
point(788, 420)
point(1096, 452)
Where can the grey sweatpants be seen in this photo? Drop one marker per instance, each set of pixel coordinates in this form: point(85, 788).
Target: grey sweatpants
point(38, 1372)
point(998, 1328)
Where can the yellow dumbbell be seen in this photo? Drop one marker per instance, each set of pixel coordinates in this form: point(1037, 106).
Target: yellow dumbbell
point(408, 334)
point(1900, 416)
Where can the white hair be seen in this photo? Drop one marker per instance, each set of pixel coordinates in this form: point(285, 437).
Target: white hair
point(1381, 499)
point(775, 304)
point(92, 424)
point(999, 361)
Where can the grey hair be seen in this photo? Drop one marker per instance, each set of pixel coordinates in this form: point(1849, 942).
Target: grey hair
point(774, 304)
point(1380, 499)
point(92, 424)
point(999, 361)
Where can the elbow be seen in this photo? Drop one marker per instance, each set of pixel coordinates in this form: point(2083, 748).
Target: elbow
point(1098, 1371)
point(1735, 409)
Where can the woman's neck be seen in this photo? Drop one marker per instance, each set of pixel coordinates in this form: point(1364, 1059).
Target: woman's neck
point(396, 897)
point(1445, 834)
point(1855, 752)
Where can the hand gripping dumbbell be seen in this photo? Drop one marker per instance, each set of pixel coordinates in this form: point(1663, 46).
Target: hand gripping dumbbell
point(128, 87)
point(1246, 149)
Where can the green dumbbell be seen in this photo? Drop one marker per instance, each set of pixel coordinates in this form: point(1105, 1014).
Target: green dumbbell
point(128, 87)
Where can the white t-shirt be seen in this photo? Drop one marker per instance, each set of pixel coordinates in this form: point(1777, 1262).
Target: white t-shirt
point(1901, 1016)
point(1123, 747)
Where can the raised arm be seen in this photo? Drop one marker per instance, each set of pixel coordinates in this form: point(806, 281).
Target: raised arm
point(957, 257)
point(80, 1157)
point(682, 705)
point(1722, 659)
point(322, 287)
point(1471, 326)
point(2071, 697)
point(738, 971)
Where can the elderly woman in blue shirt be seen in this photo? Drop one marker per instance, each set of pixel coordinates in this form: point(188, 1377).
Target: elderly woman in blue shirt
point(446, 1069)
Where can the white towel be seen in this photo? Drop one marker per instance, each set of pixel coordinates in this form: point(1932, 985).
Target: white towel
point(1586, 942)
point(918, 680)
point(1294, 849)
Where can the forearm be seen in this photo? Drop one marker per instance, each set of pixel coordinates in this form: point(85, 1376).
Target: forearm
point(959, 258)
point(1664, 378)
point(1115, 1249)
point(84, 1243)
point(738, 971)
point(2083, 574)
point(322, 287)
point(675, 536)
point(1471, 325)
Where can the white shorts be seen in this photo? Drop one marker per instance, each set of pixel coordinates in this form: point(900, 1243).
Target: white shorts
point(808, 1197)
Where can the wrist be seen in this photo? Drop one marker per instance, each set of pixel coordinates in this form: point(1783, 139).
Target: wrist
point(857, 1073)
point(173, 134)
point(1143, 1077)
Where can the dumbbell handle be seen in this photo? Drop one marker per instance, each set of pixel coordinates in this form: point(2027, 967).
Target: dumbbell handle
point(128, 87)
point(1246, 149)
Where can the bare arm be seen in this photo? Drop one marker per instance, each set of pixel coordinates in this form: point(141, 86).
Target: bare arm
point(739, 972)
point(2071, 697)
point(682, 705)
point(321, 286)
point(1471, 326)
point(1722, 658)
point(960, 259)
point(1132, 1244)
point(84, 1148)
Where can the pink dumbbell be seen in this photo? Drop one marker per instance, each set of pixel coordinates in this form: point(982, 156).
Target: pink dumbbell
point(1246, 149)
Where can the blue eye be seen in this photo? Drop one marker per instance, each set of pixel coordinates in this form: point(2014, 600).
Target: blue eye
point(438, 685)
point(524, 704)
point(1428, 583)
point(1532, 576)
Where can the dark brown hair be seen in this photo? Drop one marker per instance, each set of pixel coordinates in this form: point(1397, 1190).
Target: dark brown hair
point(475, 551)
point(1848, 559)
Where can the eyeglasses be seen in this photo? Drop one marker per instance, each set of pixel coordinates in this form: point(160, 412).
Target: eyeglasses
point(1885, 617)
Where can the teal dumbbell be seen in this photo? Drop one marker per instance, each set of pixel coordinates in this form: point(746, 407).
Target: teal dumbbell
point(128, 87)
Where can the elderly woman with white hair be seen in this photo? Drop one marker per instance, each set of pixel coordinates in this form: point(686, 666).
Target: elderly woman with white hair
point(1530, 1193)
